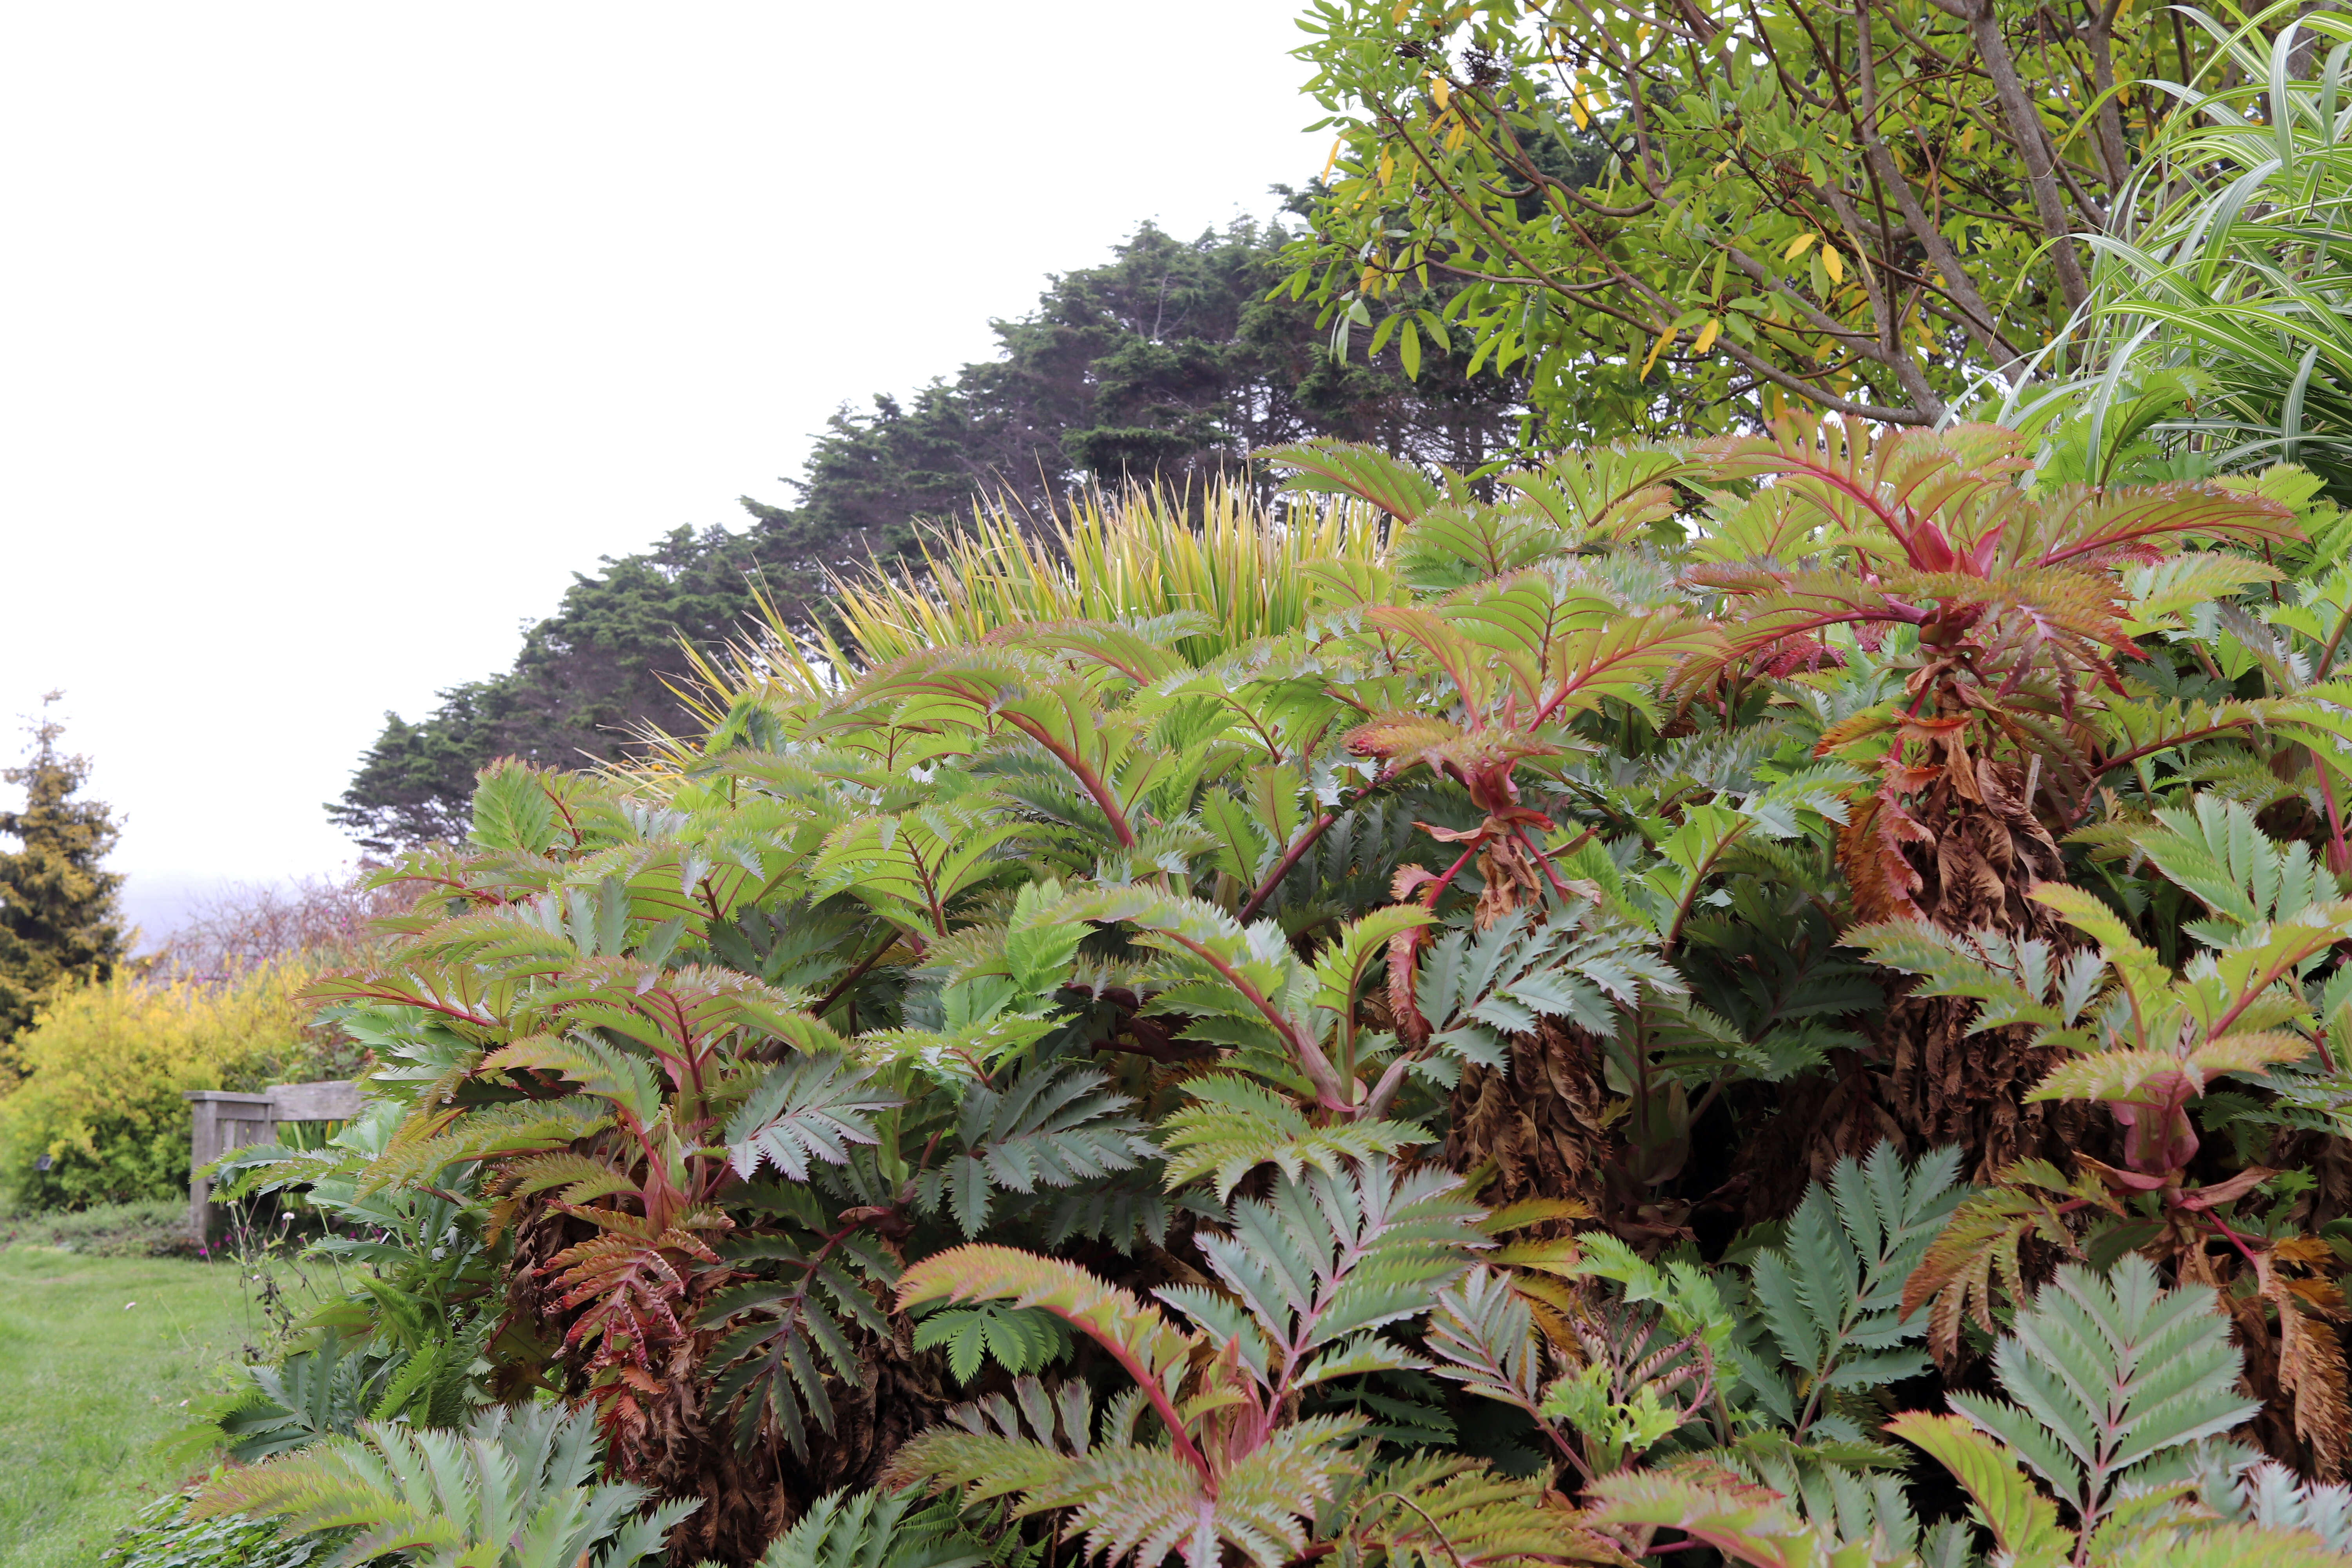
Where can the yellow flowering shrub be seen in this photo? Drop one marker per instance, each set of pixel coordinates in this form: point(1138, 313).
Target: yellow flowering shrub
point(104, 1067)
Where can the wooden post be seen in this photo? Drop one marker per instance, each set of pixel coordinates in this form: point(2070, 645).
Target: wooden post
point(223, 1120)
point(203, 1147)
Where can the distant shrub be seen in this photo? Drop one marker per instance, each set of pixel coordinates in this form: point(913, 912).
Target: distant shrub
point(148, 1228)
point(247, 927)
point(105, 1066)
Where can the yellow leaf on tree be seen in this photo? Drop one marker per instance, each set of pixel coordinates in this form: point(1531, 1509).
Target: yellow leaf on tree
point(1797, 246)
point(1655, 349)
point(1441, 90)
point(1831, 264)
point(1333, 161)
point(1706, 336)
point(1576, 108)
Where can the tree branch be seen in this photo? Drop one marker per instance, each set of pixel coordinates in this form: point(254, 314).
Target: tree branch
point(2025, 133)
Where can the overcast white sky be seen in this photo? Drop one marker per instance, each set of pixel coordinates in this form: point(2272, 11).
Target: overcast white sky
point(334, 337)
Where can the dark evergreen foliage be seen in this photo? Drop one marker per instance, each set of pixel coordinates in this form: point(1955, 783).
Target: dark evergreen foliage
point(59, 914)
point(1169, 362)
point(588, 677)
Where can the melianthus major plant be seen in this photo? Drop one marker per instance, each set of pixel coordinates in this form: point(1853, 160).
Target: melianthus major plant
point(1297, 1075)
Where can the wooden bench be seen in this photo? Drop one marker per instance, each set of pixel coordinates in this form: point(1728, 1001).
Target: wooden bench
point(226, 1119)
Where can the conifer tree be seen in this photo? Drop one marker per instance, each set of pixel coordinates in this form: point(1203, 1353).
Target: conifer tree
point(60, 917)
point(1168, 363)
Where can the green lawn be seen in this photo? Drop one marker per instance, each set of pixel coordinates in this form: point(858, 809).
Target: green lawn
point(96, 1356)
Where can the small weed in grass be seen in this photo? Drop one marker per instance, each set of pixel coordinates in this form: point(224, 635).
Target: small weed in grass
point(98, 1355)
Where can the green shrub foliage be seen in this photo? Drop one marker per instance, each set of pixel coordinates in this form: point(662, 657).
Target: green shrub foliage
point(153, 1227)
point(167, 1535)
point(516, 1489)
point(99, 1117)
point(1539, 1042)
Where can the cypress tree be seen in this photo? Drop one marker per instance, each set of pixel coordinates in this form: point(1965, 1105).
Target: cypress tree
point(1169, 363)
point(60, 911)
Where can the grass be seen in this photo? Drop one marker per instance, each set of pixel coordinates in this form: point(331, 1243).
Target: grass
point(96, 1355)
